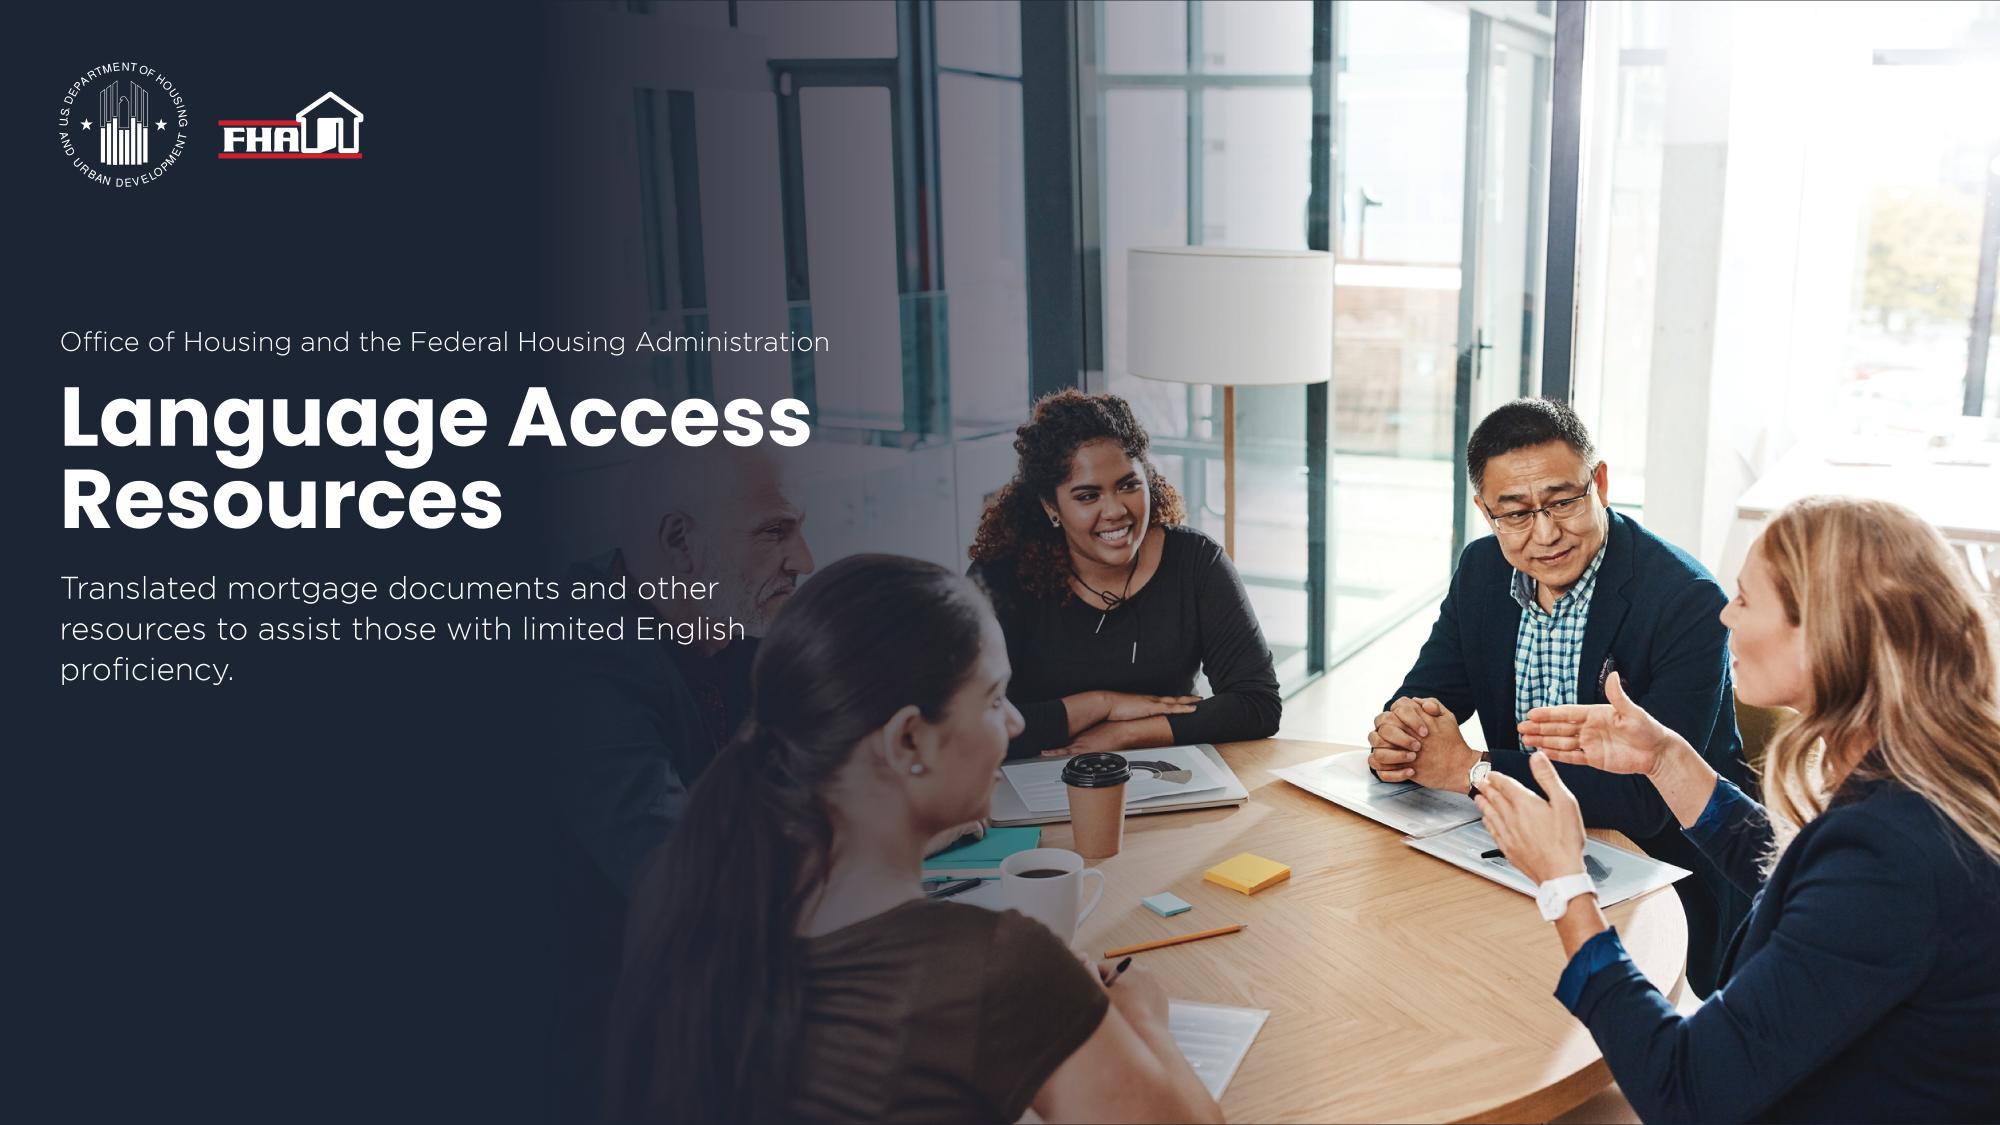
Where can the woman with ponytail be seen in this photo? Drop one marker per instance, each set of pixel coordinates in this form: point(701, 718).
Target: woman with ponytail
point(1865, 985)
point(782, 962)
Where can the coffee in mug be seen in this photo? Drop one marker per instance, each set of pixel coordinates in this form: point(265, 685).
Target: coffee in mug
point(1046, 884)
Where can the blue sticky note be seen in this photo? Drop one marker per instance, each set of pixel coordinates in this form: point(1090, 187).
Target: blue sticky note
point(1166, 905)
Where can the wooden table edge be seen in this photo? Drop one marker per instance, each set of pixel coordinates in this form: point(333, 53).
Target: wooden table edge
point(1566, 1093)
point(1594, 1077)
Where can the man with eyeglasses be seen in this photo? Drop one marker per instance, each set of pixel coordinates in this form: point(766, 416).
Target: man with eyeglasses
point(1565, 593)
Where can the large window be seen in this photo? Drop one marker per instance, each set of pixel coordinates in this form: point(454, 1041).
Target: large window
point(1615, 346)
point(874, 158)
point(1202, 117)
point(1887, 190)
point(1789, 225)
point(1206, 115)
point(905, 203)
point(1921, 343)
point(1401, 185)
point(851, 169)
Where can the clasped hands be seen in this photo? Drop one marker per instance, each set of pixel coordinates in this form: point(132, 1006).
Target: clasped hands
point(1419, 740)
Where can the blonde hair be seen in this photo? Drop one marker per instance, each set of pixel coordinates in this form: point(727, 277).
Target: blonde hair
point(1899, 657)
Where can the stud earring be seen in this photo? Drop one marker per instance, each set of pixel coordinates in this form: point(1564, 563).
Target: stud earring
point(917, 768)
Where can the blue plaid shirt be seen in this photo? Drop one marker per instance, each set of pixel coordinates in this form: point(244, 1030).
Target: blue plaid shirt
point(1550, 646)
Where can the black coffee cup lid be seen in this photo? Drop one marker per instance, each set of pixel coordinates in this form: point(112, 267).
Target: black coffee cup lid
point(1099, 770)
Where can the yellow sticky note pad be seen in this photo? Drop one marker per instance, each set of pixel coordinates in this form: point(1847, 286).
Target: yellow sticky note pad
point(1247, 874)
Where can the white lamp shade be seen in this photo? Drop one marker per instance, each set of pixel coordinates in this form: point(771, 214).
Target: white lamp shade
point(1205, 314)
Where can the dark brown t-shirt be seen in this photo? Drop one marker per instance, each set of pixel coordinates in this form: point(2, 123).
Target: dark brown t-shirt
point(938, 1011)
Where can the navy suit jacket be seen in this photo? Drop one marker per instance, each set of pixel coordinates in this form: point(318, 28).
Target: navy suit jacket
point(1866, 986)
point(1652, 620)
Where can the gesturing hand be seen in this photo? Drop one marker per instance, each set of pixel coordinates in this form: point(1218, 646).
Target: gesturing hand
point(1123, 706)
point(1544, 839)
point(1616, 737)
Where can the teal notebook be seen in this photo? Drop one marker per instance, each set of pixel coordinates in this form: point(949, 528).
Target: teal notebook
point(985, 854)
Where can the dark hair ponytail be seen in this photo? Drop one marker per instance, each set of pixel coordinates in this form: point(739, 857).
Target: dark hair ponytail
point(708, 1007)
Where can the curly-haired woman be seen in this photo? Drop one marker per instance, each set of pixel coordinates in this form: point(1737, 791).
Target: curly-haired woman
point(1109, 604)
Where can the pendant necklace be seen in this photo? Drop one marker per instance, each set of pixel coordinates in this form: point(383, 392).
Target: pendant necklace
point(1111, 601)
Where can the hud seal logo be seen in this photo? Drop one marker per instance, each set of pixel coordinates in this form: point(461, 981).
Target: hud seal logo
point(326, 129)
point(122, 124)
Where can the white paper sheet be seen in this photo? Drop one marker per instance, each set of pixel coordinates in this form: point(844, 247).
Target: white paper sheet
point(1214, 1038)
point(1619, 874)
point(1404, 806)
point(1041, 787)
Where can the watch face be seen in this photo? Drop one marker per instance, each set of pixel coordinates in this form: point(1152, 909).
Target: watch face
point(1479, 773)
point(1552, 897)
point(1547, 900)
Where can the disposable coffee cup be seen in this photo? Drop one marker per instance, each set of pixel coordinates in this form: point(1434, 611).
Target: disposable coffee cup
point(1096, 785)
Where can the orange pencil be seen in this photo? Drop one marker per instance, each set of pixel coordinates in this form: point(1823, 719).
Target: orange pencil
point(1158, 943)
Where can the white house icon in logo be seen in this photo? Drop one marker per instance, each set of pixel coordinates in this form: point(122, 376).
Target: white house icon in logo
point(327, 129)
point(329, 124)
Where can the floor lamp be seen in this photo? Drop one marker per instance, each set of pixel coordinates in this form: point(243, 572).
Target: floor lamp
point(1233, 318)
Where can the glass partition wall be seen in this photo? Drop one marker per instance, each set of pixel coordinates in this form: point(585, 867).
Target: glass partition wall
point(950, 190)
point(1408, 138)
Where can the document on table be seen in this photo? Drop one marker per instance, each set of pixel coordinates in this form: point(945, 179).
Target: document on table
point(1405, 806)
point(1214, 1037)
point(1170, 771)
point(1619, 874)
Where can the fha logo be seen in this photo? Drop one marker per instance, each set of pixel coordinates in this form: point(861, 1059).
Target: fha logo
point(122, 124)
point(327, 129)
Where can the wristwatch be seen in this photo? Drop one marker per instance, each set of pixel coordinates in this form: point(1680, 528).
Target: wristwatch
point(1478, 773)
point(1553, 896)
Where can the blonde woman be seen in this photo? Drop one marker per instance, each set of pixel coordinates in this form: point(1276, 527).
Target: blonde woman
point(1865, 985)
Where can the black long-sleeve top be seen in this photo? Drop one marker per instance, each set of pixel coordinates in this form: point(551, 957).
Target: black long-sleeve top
point(1192, 615)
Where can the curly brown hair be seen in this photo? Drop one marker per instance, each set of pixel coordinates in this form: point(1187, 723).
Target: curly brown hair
point(1014, 525)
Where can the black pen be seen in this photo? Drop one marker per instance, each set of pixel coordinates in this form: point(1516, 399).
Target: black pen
point(1118, 972)
point(1493, 853)
point(950, 889)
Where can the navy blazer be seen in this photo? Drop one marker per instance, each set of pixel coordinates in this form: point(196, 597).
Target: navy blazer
point(1865, 987)
point(1653, 619)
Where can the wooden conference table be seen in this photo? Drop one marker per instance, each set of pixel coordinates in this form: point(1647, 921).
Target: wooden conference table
point(1400, 987)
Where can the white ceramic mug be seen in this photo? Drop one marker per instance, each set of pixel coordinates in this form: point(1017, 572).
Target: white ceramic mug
point(1053, 900)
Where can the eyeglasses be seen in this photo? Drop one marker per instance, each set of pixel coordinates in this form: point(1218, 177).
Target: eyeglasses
point(1561, 511)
